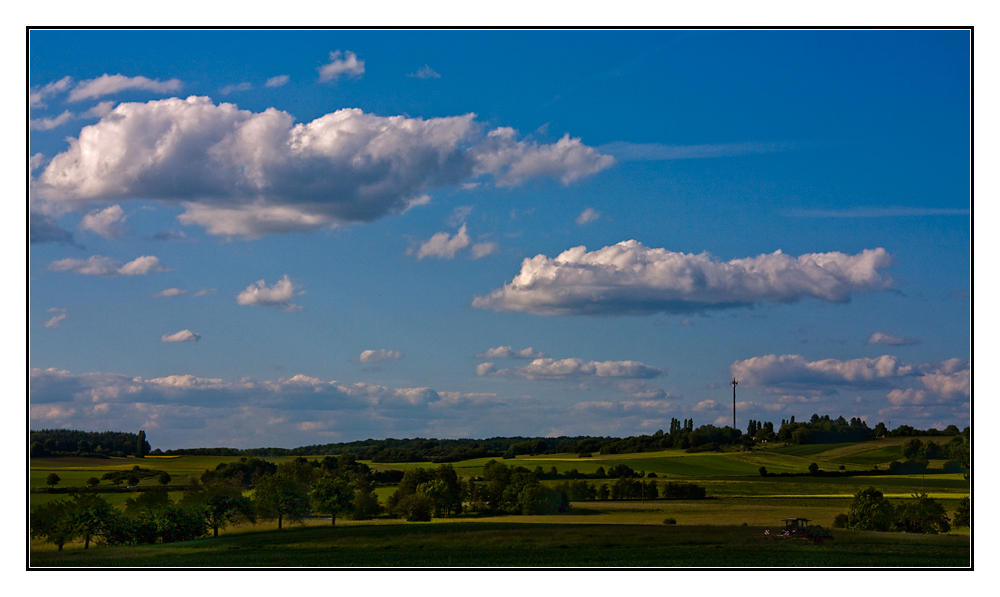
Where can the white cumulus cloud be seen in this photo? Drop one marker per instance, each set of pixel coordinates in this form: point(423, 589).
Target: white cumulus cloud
point(98, 265)
point(629, 278)
point(279, 295)
point(240, 173)
point(107, 222)
point(547, 368)
point(181, 336)
point(444, 245)
point(108, 84)
point(377, 356)
point(342, 63)
point(794, 370)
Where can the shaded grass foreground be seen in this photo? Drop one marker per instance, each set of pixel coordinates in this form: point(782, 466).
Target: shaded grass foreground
point(501, 544)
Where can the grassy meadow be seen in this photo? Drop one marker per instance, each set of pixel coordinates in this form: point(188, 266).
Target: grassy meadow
point(726, 530)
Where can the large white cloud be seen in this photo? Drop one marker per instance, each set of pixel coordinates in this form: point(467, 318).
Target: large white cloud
point(240, 173)
point(547, 368)
point(279, 295)
point(794, 370)
point(629, 278)
point(98, 265)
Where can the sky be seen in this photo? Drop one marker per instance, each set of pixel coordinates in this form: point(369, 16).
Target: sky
point(254, 238)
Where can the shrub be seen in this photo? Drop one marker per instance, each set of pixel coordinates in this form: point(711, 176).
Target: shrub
point(840, 521)
point(669, 521)
point(763, 471)
point(813, 468)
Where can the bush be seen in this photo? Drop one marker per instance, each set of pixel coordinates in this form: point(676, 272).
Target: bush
point(840, 521)
point(669, 521)
point(762, 471)
point(813, 468)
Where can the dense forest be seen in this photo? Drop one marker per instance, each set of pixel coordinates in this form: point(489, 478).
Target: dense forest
point(95, 444)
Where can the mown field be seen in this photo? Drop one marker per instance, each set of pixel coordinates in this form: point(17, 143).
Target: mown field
point(726, 530)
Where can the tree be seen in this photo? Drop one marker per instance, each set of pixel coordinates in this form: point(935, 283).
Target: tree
point(416, 507)
point(219, 505)
point(813, 468)
point(922, 514)
point(140, 445)
point(870, 511)
point(93, 482)
point(164, 478)
point(52, 479)
point(332, 495)
point(52, 523)
point(91, 515)
point(963, 515)
point(281, 495)
point(763, 471)
point(147, 501)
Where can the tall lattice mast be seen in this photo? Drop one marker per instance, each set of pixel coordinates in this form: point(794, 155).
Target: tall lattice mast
point(734, 382)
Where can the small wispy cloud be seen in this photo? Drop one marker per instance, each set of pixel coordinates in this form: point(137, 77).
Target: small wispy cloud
point(60, 314)
point(874, 212)
point(588, 215)
point(890, 339)
point(234, 88)
point(276, 81)
point(377, 356)
point(425, 72)
point(181, 336)
point(650, 152)
point(169, 292)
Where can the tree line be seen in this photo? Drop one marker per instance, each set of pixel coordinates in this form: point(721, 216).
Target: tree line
point(100, 444)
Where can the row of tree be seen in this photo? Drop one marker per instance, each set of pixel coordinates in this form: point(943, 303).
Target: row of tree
point(871, 511)
point(65, 442)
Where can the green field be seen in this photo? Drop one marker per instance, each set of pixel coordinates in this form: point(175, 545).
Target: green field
point(712, 532)
point(501, 543)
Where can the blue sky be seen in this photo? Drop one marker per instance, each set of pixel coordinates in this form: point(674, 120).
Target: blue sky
point(280, 238)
